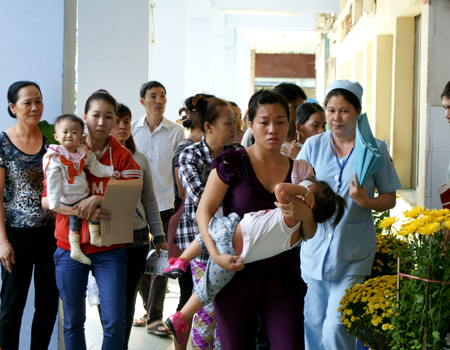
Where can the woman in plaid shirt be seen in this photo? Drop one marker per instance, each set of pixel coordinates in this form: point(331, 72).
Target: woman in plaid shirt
point(217, 121)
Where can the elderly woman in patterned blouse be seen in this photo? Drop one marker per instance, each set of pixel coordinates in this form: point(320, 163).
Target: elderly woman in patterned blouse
point(27, 239)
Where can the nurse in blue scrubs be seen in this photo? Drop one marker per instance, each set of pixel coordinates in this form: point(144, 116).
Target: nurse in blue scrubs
point(338, 258)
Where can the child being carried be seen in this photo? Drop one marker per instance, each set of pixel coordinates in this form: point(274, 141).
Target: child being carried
point(259, 235)
point(66, 181)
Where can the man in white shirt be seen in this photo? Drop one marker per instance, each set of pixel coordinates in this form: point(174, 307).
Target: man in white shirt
point(157, 138)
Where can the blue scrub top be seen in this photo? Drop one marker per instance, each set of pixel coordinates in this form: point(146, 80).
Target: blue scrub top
point(349, 248)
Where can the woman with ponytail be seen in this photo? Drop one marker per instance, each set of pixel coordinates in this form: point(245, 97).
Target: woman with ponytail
point(195, 135)
point(109, 263)
point(217, 121)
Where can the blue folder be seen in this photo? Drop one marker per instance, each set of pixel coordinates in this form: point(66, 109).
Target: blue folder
point(368, 159)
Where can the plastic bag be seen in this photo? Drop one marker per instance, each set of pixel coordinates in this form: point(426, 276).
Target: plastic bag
point(93, 293)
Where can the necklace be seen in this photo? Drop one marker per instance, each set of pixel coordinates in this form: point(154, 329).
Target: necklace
point(341, 167)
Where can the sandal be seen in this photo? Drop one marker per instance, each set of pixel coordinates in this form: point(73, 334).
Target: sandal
point(176, 269)
point(140, 322)
point(154, 329)
point(179, 327)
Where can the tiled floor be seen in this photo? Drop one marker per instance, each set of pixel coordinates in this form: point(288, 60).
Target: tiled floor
point(139, 339)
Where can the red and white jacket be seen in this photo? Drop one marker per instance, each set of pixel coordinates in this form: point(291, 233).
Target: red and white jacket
point(123, 161)
point(64, 175)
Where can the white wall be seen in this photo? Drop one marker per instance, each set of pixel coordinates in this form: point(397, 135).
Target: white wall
point(113, 50)
point(242, 81)
point(168, 61)
point(435, 145)
point(31, 46)
point(438, 155)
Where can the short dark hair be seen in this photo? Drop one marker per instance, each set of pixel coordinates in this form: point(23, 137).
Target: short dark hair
point(13, 93)
point(150, 85)
point(100, 95)
point(265, 97)
point(446, 92)
point(122, 112)
point(233, 104)
point(349, 96)
point(290, 91)
point(71, 117)
point(306, 110)
point(207, 109)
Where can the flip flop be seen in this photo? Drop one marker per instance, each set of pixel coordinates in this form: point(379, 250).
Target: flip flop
point(154, 330)
point(140, 322)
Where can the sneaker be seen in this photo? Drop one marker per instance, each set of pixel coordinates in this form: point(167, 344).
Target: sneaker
point(178, 327)
point(177, 268)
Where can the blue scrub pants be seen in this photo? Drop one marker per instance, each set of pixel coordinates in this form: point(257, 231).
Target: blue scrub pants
point(323, 328)
point(109, 270)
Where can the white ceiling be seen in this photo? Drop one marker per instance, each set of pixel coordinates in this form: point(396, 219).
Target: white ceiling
point(282, 41)
point(280, 26)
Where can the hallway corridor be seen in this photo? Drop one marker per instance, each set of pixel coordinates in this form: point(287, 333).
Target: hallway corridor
point(139, 339)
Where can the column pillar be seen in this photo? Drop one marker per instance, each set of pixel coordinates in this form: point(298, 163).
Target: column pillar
point(243, 72)
point(169, 51)
point(199, 47)
point(38, 44)
point(402, 94)
point(434, 146)
point(382, 87)
point(230, 52)
point(113, 50)
point(357, 72)
point(368, 81)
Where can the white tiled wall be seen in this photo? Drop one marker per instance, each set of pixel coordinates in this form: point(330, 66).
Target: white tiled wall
point(438, 154)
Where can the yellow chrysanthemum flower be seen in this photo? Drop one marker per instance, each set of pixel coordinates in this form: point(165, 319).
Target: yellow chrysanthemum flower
point(447, 224)
point(414, 212)
point(387, 222)
point(429, 229)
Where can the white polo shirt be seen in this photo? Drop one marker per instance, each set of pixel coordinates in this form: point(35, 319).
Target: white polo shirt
point(159, 147)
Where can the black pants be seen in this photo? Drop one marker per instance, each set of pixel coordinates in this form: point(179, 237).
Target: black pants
point(14, 292)
point(136, 260)
point(153, 288)
point(186, 286)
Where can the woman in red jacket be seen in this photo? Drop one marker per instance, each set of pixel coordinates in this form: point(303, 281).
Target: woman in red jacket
point(108, 263)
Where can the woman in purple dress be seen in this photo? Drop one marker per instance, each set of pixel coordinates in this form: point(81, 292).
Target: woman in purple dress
point(244, 181)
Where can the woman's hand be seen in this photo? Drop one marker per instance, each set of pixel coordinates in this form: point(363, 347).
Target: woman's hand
point(290, 149)
point(160, 246)
point(7, 255)
point(358, 194)
point(89, 208)
point(229, 262)
point(297, 209)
